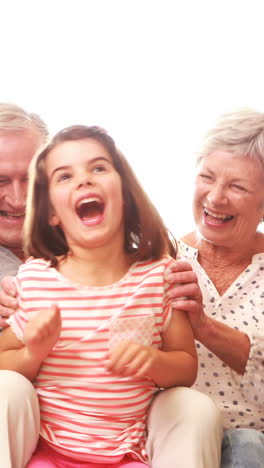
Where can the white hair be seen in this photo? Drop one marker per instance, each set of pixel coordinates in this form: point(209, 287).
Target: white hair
point(14, 119)
point(240, 132)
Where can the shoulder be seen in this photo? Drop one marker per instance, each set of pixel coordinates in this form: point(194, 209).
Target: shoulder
point(151, 270)
point(155, 264)
point(7, 256)
point(34, 265)
point(31, 276)
point(9, 263)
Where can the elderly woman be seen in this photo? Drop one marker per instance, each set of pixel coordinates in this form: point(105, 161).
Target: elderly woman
point(227, 254)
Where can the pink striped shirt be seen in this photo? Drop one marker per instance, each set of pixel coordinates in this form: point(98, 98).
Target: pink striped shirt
point(87, 412)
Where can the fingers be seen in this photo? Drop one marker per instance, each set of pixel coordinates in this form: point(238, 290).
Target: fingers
point(186, 275)
point(44, 324)
point(5, 312)
point(194, 311)
point(3, 323)
point(120, 357)
point(55, 315)
point(42, 333)
point(178, 266)
point(129, 359)
point(188, 305)
point(8, 304)
point(8, 285)
point(50, 320)
point(188, 290)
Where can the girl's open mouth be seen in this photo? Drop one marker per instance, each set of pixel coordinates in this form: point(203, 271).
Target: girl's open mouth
point(90, 210)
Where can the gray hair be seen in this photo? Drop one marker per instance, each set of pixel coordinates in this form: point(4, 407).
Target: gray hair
point(14, 119)
point(240, 132)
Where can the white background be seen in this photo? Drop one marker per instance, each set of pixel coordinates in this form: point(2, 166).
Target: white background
point(155, 73)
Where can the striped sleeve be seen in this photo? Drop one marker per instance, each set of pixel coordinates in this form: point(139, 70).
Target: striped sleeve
point(19, 319)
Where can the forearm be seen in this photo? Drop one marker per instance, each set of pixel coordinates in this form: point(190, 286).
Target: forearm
point(230, 345)
point(173, 368)
point(252, 381)
point(20, 360)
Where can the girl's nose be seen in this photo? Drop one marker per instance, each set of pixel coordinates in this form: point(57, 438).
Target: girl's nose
point(85, 179)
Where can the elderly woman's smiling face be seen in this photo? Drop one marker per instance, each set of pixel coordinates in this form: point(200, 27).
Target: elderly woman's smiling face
point(229, 198)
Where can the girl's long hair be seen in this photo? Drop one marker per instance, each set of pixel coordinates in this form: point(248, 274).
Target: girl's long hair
point(146, 236)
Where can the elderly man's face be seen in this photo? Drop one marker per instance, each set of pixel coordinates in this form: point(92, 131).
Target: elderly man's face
point(16, 152)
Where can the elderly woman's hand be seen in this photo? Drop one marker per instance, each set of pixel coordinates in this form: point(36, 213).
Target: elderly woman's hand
point(8, 302)
point(185, 293)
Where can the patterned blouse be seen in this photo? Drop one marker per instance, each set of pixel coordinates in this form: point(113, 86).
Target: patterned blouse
point(240, 397)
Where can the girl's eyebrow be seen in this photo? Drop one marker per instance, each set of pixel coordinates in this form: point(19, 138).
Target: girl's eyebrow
point(60, 168)
point(91, 161)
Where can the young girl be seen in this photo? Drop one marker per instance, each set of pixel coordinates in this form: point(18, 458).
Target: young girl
point(93, 330)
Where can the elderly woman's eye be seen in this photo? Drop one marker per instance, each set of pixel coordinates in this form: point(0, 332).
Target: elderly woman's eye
point(206, 177)
point(239, 187)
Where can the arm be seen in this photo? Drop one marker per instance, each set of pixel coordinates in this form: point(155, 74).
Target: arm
point(14, 356)
point(252, 380)
point(230, 345)
point(174, 364)
point(40, 335)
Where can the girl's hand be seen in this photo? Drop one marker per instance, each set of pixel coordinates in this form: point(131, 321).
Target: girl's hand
point(132, 359)
point(42, 332)
point(8, 302)
point(185, 294)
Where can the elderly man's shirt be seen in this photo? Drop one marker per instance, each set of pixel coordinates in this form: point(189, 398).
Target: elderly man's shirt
point(9, 263)
point(241, 398)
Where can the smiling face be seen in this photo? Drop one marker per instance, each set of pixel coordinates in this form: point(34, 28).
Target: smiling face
point(85, 192)
point(229, 199)
point(16, 152)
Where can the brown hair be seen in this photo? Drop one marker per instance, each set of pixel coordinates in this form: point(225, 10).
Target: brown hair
point(146, 236)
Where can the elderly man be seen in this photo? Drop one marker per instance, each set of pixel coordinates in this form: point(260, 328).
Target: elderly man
point(21, 134)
